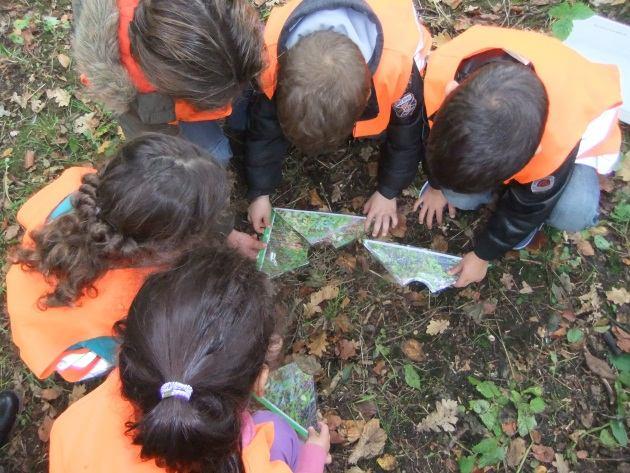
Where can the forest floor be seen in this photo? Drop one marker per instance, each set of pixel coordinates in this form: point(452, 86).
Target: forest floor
point(523, 372)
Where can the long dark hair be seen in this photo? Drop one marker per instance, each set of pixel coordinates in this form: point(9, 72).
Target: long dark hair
point(205, 323)
point(203, 51)
point(158, 197)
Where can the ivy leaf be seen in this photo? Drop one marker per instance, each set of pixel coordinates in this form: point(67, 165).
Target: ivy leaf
point(561, 29)
point(412, 378)
point(564, 14)
point(490, 451)
point(619, 431)
point(574, 335)
point(621, 362)
point(488, 389)
point(581, 11)
point(601, 243)
point(607, 439)
point(526, 422)
point(466, 464)
point(537, 405)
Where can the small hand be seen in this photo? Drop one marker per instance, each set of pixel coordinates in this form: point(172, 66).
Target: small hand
point(470, 269)
point(433, 203)
point(381, 211)
point(247, 245)
point(259, 213)
point(322, 439)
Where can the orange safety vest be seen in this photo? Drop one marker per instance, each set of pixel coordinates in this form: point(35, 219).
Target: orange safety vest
point(401, 34)
point(184, 111)
point(42, 336)
point(579, 91)
point(90, 436)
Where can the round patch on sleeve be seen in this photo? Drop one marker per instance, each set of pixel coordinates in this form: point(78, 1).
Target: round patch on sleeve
point(406, 105)
point(543, 185)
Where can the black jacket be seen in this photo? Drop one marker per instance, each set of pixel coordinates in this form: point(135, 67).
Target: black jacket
point(522, 207)
point(402, 149)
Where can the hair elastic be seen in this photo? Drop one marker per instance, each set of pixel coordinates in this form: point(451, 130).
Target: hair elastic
point(176, 389)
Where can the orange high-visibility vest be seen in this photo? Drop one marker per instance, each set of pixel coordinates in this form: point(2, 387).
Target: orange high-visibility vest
point(184, 111)
point(402, 34)
point(579, 91)
point(90, 437)
point(42, 336)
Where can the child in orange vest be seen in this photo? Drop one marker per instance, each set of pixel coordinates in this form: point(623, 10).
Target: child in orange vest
point(171, 66)
point(192, 351)
point(519, 113)
point(337, 69)
point(91, 239)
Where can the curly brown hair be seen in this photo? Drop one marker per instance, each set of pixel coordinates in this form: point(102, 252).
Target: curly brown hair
point(160, 196)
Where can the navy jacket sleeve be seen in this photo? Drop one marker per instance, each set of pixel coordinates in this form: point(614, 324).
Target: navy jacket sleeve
point(266, 148)
point(522, 208)
point(403, 149)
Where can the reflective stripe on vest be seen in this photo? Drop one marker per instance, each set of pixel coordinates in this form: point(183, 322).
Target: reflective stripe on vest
point(402, 34)
point(184, 111)
point(579, 91)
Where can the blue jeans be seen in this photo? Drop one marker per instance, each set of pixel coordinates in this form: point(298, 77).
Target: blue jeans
point(209, 134)
point(577, 208)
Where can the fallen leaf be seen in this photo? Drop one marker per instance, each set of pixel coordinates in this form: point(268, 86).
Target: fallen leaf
point(21, 100)
point(509, 428)
point(350, 431)
point(11, 232)
point(526, 289)
point(64, 60)
point(462, 23)
point(618, 296)
point(78, 391)
point(61, 96)
point(314, 199)
point(535, 435)
point(400, 230)
point(335, 195)
point(372, 169)
point(561, 464)
point(347, 262)
point(371, 443)
point(29, 159)
point(387, 462)
point(599, 367)
point(412, 348)
point(582, 454)
point(308, 364)
point(591, 302)
point(441, 38)
point(37, 105)
point(540, 469)
point(86, 123)
point(439, 243)
point(324, 294)
point(453, 3)
point(355, 469)
point(583, 246)
point(516, 451)
point(43, 431)
point(508, 281)
point(623, 339)
point(343, 324)
point(357, 202)
point(318, 344)
point(346, 349)
point(367, 409)
point(543, 454)
point(444, 417)
point(379, 368)
point(437, 326)
point(50, 394)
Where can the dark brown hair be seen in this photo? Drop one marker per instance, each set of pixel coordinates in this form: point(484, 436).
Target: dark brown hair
point(202, 51)
point(488, 128)
point(158, 197)
point(206, 323)
point(323, 87)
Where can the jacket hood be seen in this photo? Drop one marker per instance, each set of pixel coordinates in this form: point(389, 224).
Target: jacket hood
point(97, 55)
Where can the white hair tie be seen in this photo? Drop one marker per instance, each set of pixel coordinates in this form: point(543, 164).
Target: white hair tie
point(176, 389)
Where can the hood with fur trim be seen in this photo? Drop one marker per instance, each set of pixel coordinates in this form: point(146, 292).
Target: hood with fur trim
point(97, 55)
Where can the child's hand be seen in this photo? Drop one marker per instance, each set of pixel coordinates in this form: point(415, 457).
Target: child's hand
point(247, 245)
point(381, 211)
point(470, 269)
point(322, 438)
point(259, 213)
point(433, 203)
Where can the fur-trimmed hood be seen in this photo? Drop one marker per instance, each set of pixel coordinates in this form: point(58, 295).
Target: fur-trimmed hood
point(97, 55)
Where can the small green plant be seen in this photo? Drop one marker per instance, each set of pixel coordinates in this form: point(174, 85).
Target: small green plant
point(564, 14)
point(492, 449)
point(18, 26)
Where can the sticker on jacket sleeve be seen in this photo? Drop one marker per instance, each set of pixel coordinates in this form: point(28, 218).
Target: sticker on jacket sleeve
point(543, 185)
point(406, 105)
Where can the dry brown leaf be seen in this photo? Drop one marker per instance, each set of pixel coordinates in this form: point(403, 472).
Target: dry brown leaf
point(437, 326)
point(509, 428)
point(508, 281)
point(540, 469)
point(64, 60)
point(371, 443)
point(347, 262)
point(599, 367)
point(591, 303)
point(346, 349)
point(439, 243)
point(462, 23)
point(400, 230)
point(343, 324)
point(526, 289)
point(387, 462)
point(561, 464)
point(50, 394)
point(582, 454)
point(86, 123)
point(372, 169)
point(444, 417)
point(37, 105)
point(356, 469)
point(623, 339)
point(516, 451)
point(43, 431)
point(314, 199)
point(543, 454)
point(11, 232)
point(357, 202)
point(583, 246)
point(618, 295)
point(61, 96)
point(318, 344)
point(29, 159)
point(324, 294)
point(412, 348)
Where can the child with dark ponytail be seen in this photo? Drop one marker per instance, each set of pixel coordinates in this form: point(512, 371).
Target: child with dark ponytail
point(91, 239)
point(192, 350)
